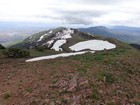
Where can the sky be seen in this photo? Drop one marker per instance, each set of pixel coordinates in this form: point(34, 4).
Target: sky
point(72, 12)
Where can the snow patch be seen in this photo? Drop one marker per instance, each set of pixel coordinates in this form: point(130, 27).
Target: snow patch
point(50, 32)
point(65, 34)
point(30, 37)
point(57, 55)
point(93, 45)
point(50, 42)
point(58, 44)
point(41, 38)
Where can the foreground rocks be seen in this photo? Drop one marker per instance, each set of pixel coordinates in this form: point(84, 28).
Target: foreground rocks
point(70, 91)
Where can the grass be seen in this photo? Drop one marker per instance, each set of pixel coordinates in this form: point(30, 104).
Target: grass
point(99, 57)
point(138, 95)
point(54, 81)
point(64, 101)
point(82, 70)
point(111, 103)
point(136, 103)
point(95, 93)
point(108, 73)
point(7, 95)
point(30, 89)
point(106, 77)
point(35, 53)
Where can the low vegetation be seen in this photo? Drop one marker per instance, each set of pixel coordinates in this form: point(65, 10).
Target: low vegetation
point(103, 78)
point(1, 46)
point(106, 77)
point(7, 95)
point(16, 53)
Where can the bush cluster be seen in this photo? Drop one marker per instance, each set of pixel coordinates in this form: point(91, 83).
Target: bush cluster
point(16, 53)
point(39, 48)
point(2, 47)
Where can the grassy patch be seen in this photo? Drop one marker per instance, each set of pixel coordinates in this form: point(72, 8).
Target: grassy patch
point(64, 101)
point(106, 77)
point(111, 103)
point(7, 95)
point(98, 57)
point(138, 95)
point(136, 103)
point(34, 52)
point(82, 70)
point(95, 93)
point(30, 89)
point(54, 81)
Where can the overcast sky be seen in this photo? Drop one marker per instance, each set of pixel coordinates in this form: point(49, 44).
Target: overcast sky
point(80, 12)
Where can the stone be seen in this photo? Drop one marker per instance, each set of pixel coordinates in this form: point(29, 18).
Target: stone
point(73, 84)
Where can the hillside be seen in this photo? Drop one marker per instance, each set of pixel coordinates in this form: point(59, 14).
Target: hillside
point(66, 40)
point(123, 33)
point(99, 71)
point(107, 77)
point(135, 46)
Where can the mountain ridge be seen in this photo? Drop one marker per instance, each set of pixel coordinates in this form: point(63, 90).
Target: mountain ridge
point(61, 39)
point(123, 33)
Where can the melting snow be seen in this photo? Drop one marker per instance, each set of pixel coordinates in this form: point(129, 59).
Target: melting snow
point(57, 55)
point(41, 38)
point(30, 37)
point(50, 42)
point(65, 34)
point(92, 45)
point(58, 44)
point(50, 31)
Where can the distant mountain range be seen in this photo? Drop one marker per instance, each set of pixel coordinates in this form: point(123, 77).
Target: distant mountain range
point(15, 32)
point(123, 33)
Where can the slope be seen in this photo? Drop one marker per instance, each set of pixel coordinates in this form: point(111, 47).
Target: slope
point(108, 77)
point(64, 39)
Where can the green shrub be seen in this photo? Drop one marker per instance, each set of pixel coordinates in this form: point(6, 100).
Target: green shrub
point(111, 103)
point(39, 48)
point(6, 95)
point(95, 94)
point(1, 46)
point(30, 89)
point(16, 53)
point(109, 78)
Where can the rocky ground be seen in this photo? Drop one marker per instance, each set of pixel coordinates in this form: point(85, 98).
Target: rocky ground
point(103, 78)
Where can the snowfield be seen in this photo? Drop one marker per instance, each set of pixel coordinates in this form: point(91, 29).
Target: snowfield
point(60, 38)
point(57, 55)
point(65, 34)
point(93, 45)
point(58, 44)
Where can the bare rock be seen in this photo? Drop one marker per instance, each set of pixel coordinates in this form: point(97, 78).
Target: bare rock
point(75, 100)
point(83, 84)
point(73, 84)
point(52, 103)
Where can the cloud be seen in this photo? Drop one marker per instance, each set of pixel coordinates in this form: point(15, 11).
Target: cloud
point(75, 17)
point(98, 1)
point(77, 20)
point(86, 12)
